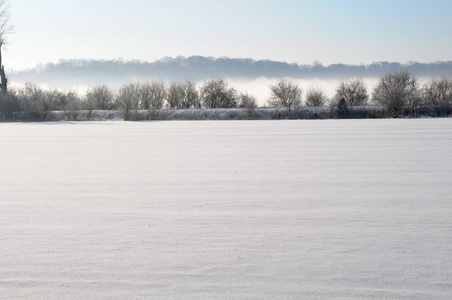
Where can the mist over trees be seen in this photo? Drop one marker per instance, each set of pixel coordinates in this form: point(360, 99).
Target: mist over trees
point(397, 94)
point(199, 68)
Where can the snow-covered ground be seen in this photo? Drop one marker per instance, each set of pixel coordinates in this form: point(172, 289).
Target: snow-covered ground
point(342, 209)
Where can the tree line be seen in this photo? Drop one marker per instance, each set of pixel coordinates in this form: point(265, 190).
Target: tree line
point(203, 68)
point(396, 94)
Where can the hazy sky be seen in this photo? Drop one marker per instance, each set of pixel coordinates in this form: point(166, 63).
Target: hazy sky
point(329, 31)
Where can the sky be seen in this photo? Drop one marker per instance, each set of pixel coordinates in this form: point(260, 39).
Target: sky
point(300, 31)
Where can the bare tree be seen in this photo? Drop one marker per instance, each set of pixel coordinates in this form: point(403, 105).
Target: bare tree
point(247, 101)
point(5, 29)
point(191, 96)
point(438, 92)
point(9, 104)
point(152, 95)
point(73, 106)
point(183, 95)
point(285, 94)
point(397, 91)
point(216, 94)
point(315, 96)
point(33, 101)
point(175, 95)
point(89, 104)
point(127, 99)
point(57, 99)
point(353, 91)
point(100, 97)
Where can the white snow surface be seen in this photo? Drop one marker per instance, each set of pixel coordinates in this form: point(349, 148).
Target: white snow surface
point(326, 209)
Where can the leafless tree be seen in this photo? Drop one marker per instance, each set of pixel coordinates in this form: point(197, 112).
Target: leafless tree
point(152, 95)
point(89, 104)
point(9, 104)
point(127, 99)
point(191, 96)
point(5, 29)
point(353, 91)
point(175, 95)
point(438, 92)
point(285, 94)
point(57, 99)
point(247, 101)
point(182, 95)
point(217, 94)
point(315, 96)
point(99, 97)
point(73, 106)
point(397, 91)
point(33, 101)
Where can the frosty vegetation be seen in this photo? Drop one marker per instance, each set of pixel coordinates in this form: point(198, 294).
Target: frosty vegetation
point(397, 94)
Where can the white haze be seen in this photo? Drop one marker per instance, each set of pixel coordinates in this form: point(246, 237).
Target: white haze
point(330, 209)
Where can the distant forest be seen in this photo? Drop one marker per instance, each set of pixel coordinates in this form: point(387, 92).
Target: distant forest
point(196, 68)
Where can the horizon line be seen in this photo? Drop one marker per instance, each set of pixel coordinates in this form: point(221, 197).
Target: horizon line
point(170, 58)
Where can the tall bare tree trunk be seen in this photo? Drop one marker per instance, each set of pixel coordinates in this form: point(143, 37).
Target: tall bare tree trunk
point(3, 80)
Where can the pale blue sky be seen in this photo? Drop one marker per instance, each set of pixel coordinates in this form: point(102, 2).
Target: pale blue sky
point(342, 31)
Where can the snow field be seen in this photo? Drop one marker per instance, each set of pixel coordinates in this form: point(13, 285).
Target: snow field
point(343, 209)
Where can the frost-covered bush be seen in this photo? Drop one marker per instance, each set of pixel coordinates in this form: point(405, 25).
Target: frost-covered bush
point(437, 95)
point(191, 96)
point(353, 91)
point(34, 103)
point(128, 99)
point(99, 98)
point(341, 109)
point(73, 107)
point(396, 92)
point(315, 96)
point(151, 95)
point(285, 94)
point(217, 94)
point(9, 105)
point(248, 103)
